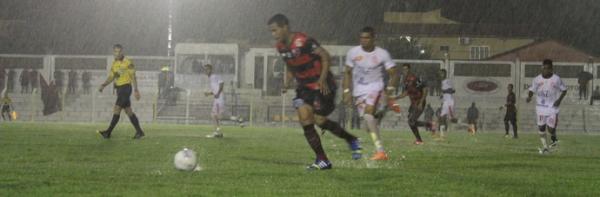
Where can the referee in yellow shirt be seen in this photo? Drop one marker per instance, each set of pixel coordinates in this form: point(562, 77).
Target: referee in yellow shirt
point(122, 73)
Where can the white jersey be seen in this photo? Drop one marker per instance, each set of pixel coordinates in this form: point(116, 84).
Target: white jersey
point(368, 69)
point(547, 92)
point(447, 84)
point(215, 82)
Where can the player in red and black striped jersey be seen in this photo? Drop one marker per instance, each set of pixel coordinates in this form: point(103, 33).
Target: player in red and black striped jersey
point(416, 90)
point(308, 63)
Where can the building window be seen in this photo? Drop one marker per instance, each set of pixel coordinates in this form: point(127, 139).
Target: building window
point(480, 52)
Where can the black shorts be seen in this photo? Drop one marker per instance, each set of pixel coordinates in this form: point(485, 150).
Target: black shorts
point(471, 121)
point(123, 96)
point(510, 116)
point(322, 104)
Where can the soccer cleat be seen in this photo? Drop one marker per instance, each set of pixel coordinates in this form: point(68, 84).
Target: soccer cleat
point(554, 144)
point(543, 151)
point(418, 142)
point(320, 165)
point(104, 134)
point(379, 156)
point(356, 149)
point(138, 135)
point(215, 135)
point(506, 136)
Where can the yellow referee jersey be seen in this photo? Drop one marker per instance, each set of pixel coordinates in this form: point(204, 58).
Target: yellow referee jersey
point(122, 71)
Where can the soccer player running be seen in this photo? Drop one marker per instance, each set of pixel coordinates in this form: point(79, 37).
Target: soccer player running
point(122, 73)
point(447, 112)
point(308, 63)
point(550, 91)
point(416, 90)
point(510, 118)
point(216, 90)
point(363, 79)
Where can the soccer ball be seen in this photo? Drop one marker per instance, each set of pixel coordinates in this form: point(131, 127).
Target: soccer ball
point(186, 160)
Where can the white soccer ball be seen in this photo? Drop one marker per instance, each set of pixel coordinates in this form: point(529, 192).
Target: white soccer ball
point(186, 160)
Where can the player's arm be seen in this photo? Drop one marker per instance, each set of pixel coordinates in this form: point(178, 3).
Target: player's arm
point(562, 95)
point(347, 85)
point(220, 90)
point(109, 79)
point(402, 95)
point(134, 83)
point(393, 80)
point(529, 95)
point(287, 81)
point(424, 93)
point(325, 58)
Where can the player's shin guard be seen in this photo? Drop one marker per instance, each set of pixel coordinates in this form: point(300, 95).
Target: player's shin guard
point(543, 139)
point(312, 137)
point(337, 130)
point(113, 123)
point(374, 131)
point(553, 134)
point(136, 123)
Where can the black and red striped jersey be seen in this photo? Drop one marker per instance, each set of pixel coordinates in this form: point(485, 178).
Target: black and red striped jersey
point(302, 60)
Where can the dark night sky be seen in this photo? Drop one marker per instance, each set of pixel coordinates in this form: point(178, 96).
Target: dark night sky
point(91, 27)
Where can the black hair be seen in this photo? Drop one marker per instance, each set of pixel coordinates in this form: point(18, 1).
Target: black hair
point(279, 19)
point(547, 62)
point(369, 30)
point(406, 65)
point(117, 46)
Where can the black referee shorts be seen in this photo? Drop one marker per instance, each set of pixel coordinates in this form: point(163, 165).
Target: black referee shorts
point(123, 96)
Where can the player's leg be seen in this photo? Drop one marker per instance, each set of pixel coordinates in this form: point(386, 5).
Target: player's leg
point(413, 123)
point(217, 110)
point(115, 119)
point(506, 124)
point(139, 133)
point(326, 107)
point(513, 122)
point(552, 123)
point(373, 130)
point(541, 123)
point(366, 105)
point(305, 115)
point(324, 123)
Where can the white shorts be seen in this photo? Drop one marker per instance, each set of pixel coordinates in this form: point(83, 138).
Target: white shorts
point(447, 109)
point(218, 107)
point(551, 120)
point(372, 98)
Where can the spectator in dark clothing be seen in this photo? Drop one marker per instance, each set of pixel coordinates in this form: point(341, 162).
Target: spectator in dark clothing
point(86, 78)
point(428, 115)
point(472, 116)
point(511, 112)
point(72, 83)
point(34, 79)
point(59, 80)
point(583, 78)
point(24, 79)
point(10, 82)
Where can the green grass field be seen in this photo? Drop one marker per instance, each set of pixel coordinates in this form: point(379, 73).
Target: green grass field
point(52, 159)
